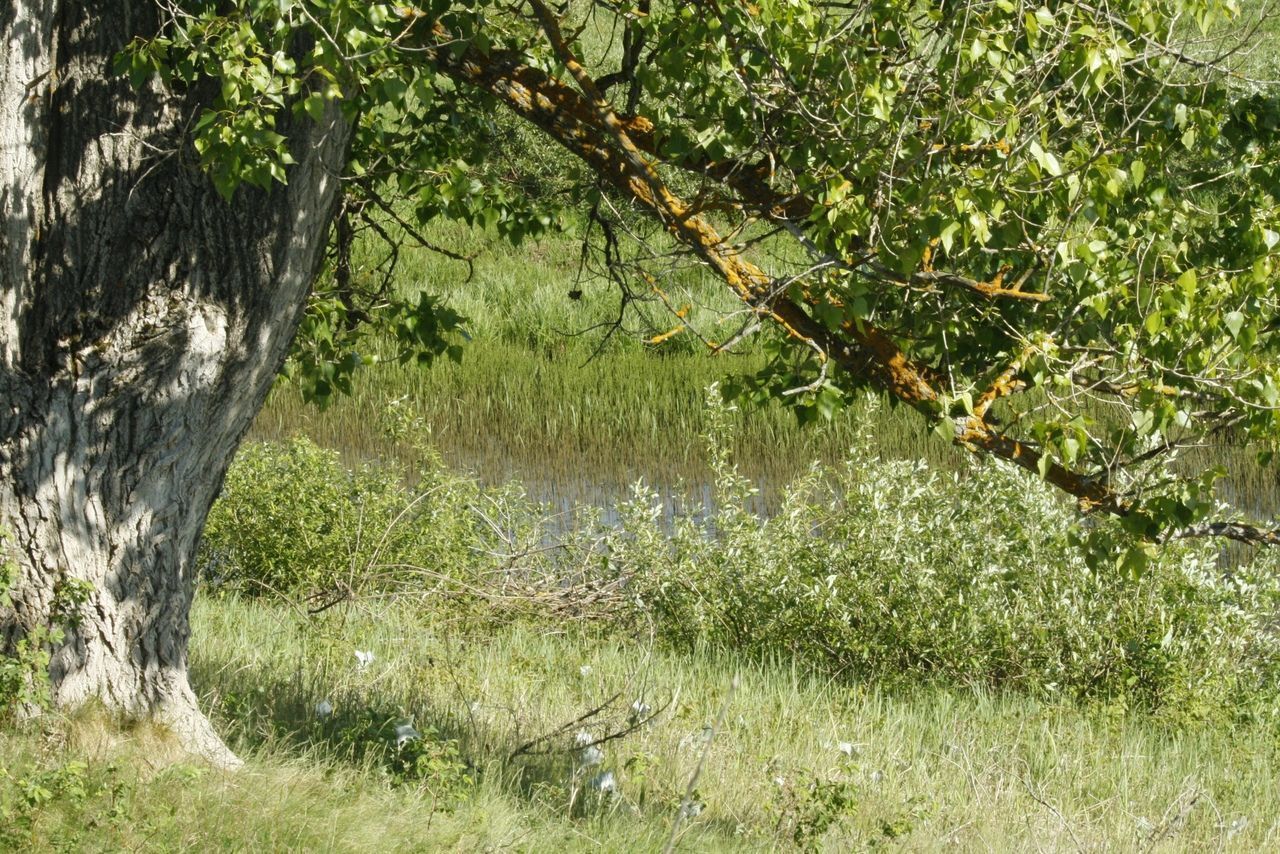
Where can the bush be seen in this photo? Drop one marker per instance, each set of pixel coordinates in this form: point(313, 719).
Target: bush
point(24, 663)
point(879, 569)
point(293, 520)
point(888, 570)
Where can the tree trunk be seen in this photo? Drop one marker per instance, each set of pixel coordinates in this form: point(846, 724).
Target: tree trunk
point(142, 320)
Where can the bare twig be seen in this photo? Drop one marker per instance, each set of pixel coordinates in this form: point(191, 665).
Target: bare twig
point(687, 800)
point(1035, 796)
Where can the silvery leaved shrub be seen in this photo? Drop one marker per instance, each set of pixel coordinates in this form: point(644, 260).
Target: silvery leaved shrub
point(888, 570)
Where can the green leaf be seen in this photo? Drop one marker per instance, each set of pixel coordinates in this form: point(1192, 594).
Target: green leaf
point(1046, 159)
point(313, 103)
point(948, 235)
point(1138, 170)
point(1143, 421)
point(1233, 320)
point(1187, 281)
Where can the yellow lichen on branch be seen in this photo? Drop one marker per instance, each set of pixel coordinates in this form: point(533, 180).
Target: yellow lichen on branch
point(584, 124)
point(663, 336)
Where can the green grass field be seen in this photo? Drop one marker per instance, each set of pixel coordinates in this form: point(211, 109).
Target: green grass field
point(799, 763)
point(543, 394)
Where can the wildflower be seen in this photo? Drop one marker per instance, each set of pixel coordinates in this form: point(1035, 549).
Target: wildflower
point(605, 782)
point(364, 658)
point(846, 747)
point(585, 670)
point(780, 781)
point(324, 708)
point(405, 733)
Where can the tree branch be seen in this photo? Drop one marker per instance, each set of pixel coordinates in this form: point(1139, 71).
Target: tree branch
point(1238, 531)
point(585, 125)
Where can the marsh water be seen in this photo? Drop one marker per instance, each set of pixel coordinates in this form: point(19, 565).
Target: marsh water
point(584, 437)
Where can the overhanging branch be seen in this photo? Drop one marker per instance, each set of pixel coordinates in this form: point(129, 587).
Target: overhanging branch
point(585, 125)
point(1242, 533)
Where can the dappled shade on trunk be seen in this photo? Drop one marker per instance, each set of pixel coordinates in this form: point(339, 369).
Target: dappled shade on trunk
point(143, 320)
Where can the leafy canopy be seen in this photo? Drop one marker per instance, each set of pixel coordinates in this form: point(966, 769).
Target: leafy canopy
point(1050, 228)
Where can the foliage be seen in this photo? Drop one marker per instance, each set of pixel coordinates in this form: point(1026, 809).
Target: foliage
point(293, 520)
point(1065, 150)
point(17, 688)
point(969, 201)
point(23, 688)
point(810, 810)
point(287, 518)
point(327, 350)
point(544, 395)
point(28, 799)
point(887, 570)
point(875, 569)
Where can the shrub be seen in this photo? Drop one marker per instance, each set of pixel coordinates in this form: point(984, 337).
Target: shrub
point(879, 569)
point(24, 688)
point(888, 570)
point(293, 520)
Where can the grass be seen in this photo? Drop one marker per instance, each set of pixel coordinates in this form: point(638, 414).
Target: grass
point(543, 396)
point(800, 763)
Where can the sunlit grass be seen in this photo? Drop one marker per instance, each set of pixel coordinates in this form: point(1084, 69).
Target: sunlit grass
point(917, 771)
point(938, 767)
point(544, 393)
point(545, 396)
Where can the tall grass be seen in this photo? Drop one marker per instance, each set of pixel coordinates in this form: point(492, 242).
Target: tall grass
point(550, 393)
point(801, 763)
point(931, 768)
point(546, 394)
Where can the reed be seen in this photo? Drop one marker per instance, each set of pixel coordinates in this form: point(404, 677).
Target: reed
point(557, 392)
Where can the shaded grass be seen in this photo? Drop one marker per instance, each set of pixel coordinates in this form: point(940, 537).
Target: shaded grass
point(921, 771)
point(918, 771)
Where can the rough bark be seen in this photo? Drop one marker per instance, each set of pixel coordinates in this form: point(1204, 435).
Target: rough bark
point(142, 319)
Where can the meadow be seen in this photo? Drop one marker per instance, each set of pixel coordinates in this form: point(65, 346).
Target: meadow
point(797, 762)
point(560, 390)
point(559, 596)
point(555, 391)
point(412, 658)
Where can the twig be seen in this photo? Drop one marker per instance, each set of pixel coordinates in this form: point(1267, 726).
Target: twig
point(524, 748)
point(1169, 824)
point(1066, 825)
point(697, 772)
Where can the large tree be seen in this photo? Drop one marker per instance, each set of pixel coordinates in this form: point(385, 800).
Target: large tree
point(1052, 230)
point(142, 321)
